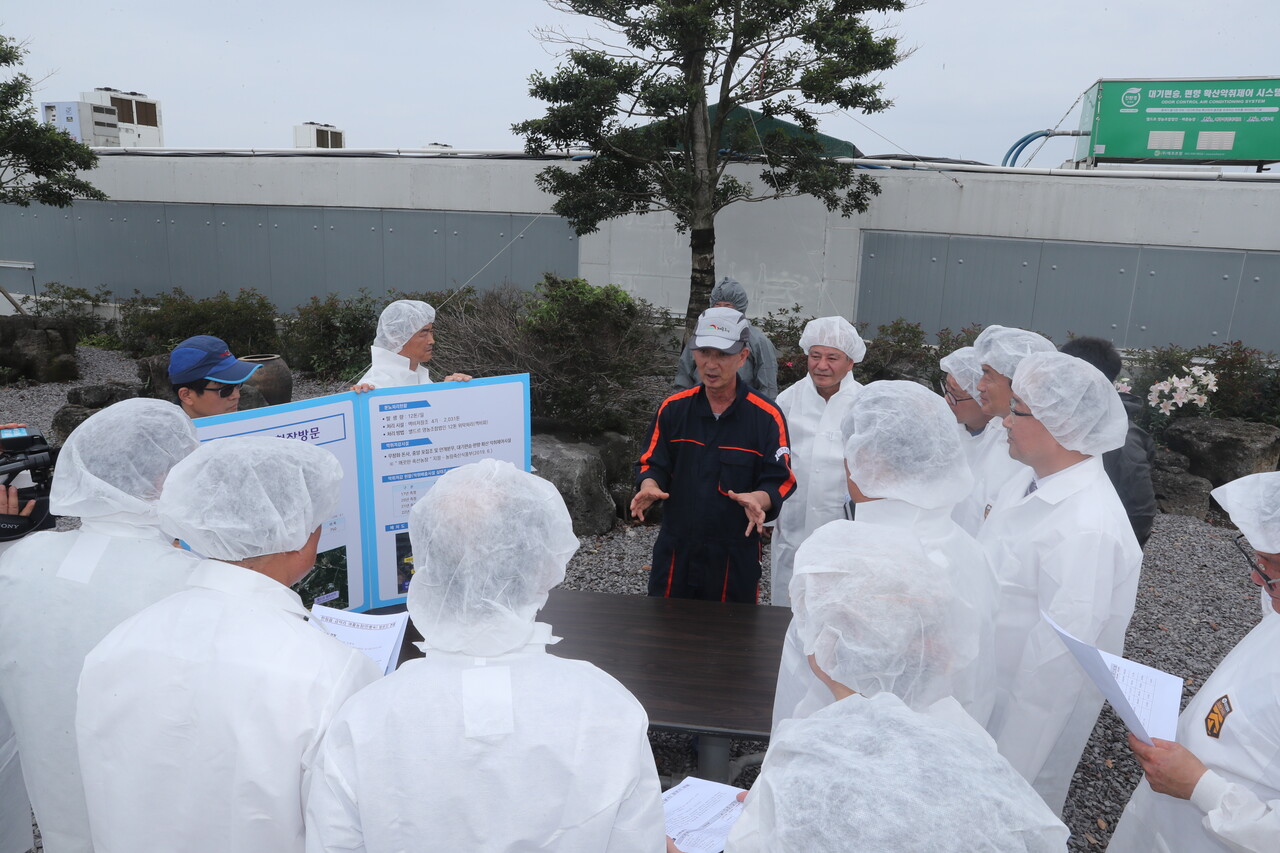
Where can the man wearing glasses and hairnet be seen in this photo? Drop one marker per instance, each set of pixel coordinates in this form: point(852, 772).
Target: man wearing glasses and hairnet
point(488, 742)
point(196, 716)
point(1059, 540)
point(891, 762)
point(1218, 787)
point(405, 342)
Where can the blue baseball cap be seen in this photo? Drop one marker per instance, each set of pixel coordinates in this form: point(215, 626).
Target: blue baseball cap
point(207, 357)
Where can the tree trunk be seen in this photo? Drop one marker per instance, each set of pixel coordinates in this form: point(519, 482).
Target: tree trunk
point(702, 228)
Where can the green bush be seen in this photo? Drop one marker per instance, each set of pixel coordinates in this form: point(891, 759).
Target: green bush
point(899, 350)
point(150, 325)
point(80, 307)
point(783, 328)
point(330, 337)
point(1247, 378)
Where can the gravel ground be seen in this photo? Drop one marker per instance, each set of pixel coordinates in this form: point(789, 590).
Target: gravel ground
point(1195, 602)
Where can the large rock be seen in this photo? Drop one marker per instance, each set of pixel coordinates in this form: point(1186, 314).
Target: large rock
point(1222, 450)
point(153, 370)
point(65, 420)
point(39, 348)
point(577, 472)
point(101, 396)
point(1178, 491)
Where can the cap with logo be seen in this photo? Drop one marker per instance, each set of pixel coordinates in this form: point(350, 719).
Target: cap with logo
point(724, 329)
point(207, 357)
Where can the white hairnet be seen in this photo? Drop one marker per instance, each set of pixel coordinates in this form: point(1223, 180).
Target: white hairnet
point(835, 332)
point(1253, 502)
point(871, 774)
point(876, 613)
point(901, 442)
point(400, 321)
point(965, 368)
point(237, 498)
point(728, 290)
point(1075, 402)
point(114, 463)
point(489, 542)
point(1003, 348)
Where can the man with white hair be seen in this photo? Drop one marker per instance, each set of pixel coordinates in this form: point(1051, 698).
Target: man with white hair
point(759, 369)
point(890, 763)
point(999, 350)
point(487, 742)
point(61, 593)
point(1059, 540)
point(1216, 788)
point(402, 347)
point(813, 408)
point(196, 716)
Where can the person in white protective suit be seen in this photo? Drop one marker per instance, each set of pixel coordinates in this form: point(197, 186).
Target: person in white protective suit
point(403, 345)
point(891, 762)
point(907, 470)
point(1218, 787)
point(961, 373)
point(999, 350)
point(813, 408)
point(195, 716)
point(862, 593)
point(488, 742)
point(61, 593)
point(1059, 540)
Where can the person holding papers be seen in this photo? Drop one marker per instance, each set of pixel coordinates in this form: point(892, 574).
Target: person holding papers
point(1218, 787)
point(892, 762)
point(402, 348)
point(488, 742)
point(196, 716)
point(1059, 540)
point(61, 593)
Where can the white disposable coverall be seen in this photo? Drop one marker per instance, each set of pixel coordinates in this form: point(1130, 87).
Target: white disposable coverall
point(391, 370)
point(60, 594)
point(992, 466)
point(1236, 804)
point(519, 751)
point(799, 692)
point(15, 808)
point(1066, 548)
point(817, 460)
point(197, 715)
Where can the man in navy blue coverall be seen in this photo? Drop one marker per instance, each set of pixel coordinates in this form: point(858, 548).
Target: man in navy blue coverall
point(718, 454)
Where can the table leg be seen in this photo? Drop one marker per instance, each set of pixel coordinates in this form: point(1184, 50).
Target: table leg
point(713, 758)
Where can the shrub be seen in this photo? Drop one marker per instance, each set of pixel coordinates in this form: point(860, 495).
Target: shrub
point(330, 337)
point(151, 325)
point(784, 328)
point(899, 350)
point(80, 307)
point(1247, 381)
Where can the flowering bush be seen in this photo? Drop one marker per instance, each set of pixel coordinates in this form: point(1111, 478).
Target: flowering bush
point(1178, 391)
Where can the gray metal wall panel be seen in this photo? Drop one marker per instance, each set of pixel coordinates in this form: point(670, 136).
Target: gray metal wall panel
point(990, 280)
point(103, 259)
point(1257, 308)
point(244, 250)
point(1084, 289)
point(352, 249)
point(545, 245)
point(413, 251)
point(296, 254)
point(1183, 295)
point(474, 241)
point(903, 275)
point(141, 253)
point(193, 248)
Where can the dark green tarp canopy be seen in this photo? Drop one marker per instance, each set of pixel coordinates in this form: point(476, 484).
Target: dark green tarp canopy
point(831, 147)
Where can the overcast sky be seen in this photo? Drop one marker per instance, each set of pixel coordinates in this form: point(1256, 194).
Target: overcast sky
point(405, 73)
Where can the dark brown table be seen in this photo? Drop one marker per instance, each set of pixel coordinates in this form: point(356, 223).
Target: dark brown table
point(703, 667)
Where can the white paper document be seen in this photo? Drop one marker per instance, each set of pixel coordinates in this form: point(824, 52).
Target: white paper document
point(379, 637)
point(700, 814)
point(1146, 698)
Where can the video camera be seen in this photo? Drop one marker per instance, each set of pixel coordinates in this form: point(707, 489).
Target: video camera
point(22, 450)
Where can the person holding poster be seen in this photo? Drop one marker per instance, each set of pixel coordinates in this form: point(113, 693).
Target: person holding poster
point(718, 454)
point(488, 742)
point(402, 347)
point(1218, 787)
point(195, 717)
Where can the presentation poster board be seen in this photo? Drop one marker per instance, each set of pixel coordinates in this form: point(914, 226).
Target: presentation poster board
point(393, 444)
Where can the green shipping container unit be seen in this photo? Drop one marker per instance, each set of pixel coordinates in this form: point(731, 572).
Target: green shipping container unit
point(1233, 121)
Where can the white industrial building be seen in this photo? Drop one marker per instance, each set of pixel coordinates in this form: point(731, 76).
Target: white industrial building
point(109, 118)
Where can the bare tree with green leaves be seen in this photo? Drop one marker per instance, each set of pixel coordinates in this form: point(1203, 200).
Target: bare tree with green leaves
point(38, 162)
point(658, 100)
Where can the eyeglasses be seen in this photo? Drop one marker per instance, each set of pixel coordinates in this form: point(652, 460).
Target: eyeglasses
point(1014, 411)
point(224, 391)
point(1249, 558)
point(950, 395)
